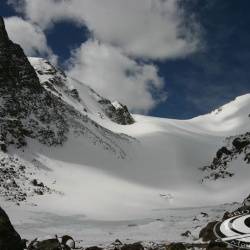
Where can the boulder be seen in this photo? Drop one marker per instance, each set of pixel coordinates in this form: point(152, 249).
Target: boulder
point(186, 234)
point(117, 243)
point(50, 244)
point(134, 246)
point(68, 241)
point(216, 245)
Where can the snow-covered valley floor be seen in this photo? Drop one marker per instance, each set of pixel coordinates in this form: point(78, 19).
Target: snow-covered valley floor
point(163, 225)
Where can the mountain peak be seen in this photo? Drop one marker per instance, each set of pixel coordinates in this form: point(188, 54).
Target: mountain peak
point(3, 33)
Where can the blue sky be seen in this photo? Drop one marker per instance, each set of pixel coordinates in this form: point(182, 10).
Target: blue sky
point(196, 82)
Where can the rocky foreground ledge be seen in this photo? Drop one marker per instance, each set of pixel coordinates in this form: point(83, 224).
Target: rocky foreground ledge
point(11, 240)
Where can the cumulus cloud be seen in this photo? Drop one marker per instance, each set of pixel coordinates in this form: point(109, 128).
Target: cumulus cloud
point(116, 76)
point(127, 30)
point(155, 29)
point(29, 36)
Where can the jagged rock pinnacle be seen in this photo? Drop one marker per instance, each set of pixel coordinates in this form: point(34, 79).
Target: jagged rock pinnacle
point(3, 33)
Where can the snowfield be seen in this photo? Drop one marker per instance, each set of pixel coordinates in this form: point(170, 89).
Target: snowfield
point(148, 188)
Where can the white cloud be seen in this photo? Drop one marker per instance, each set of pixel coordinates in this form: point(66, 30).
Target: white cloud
point(155, 29)
point(115, 76)
point(127, 30)
point(29, 36)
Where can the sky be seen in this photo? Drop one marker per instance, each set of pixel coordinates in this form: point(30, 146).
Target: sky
point(168, 58)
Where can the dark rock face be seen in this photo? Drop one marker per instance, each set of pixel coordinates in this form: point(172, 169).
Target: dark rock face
point(206, 233)
point(26, 109)
point(9, 238)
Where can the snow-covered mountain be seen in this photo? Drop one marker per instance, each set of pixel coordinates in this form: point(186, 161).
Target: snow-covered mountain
point(66, 150)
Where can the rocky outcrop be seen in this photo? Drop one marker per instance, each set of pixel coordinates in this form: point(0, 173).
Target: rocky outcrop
point(241, 142)
point(117, 112)
point(237, 146)
point(9, 238)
